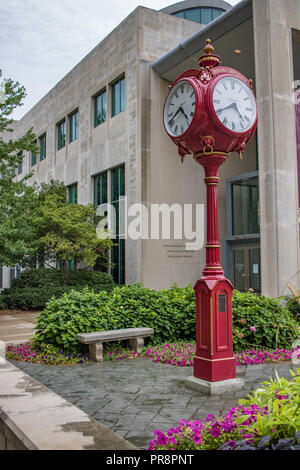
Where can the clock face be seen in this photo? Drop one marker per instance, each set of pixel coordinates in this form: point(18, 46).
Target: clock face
point(179, 108)
point(234, 104)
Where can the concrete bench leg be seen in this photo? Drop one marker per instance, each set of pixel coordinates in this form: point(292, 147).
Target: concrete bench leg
point(137, 344)
point(96, 351)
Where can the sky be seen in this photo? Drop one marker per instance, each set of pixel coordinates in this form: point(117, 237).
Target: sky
point(42, 40)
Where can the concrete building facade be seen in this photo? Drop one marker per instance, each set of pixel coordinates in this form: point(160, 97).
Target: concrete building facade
point(100, 131)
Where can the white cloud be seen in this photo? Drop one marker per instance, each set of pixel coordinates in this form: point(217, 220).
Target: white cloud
point(41, 41)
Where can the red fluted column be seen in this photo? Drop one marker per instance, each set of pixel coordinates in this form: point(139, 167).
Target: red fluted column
point(211, 164)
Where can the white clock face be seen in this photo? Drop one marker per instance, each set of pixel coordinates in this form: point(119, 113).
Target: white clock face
point(234, 104)
point(179, 108)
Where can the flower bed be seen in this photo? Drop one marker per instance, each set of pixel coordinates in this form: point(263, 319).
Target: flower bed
point(179, 354)
point(267, 419)
point(26, 352)
point(182, 355)
point(210, 434)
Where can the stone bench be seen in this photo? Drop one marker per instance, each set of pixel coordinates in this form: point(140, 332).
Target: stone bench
point(94, 340)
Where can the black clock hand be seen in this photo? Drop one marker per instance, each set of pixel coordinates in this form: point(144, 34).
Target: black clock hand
point(234, 106)
point(241, 117)
point(179, 109)
point(219, 111)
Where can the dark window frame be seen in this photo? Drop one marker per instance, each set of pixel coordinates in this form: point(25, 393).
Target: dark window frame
point(118, 101)
point(185, 12)
point(71, 187)
point(73, 126)
point(43, 148)
point(102, 97)
point(61, 138)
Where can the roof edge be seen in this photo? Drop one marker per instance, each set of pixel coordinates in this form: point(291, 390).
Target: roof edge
point(214, 30)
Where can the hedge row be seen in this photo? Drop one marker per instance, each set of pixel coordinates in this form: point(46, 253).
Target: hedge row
point(35, 287)
point(171, 313)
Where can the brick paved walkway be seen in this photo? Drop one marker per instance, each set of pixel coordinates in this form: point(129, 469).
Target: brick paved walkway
point(136, 397)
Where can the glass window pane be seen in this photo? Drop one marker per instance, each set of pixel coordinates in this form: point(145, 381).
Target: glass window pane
point(245, 207)
point(239, 269)
point(122, 92)
point(33, 159)
point(206, 15)
point(61, 135)
point(193, 14)
point(100, 109)
point(122, 181)
point(254, 267)
point(118, 97)
point(180, 14)
point(115, 185)
point(42, 142)
point(73, 124)
point(73, 193)
point(216, 13)
point(100, 189)
point(103, 199)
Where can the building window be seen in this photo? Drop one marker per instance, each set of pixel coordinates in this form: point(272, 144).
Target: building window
point(61, 134)
point(73, 193)
point(245, 207)
point(100, 108)
point(202, 15)
point(100, 189)
point(73, 126)
point(33, 157)
point(109, 187)
point(117, 192)
point(20, 165)
point(118, 97)
point(42, 144)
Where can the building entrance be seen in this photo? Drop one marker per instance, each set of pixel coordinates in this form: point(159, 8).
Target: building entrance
point(246, 268)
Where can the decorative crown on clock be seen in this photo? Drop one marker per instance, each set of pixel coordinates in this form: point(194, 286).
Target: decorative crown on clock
point(210, 59)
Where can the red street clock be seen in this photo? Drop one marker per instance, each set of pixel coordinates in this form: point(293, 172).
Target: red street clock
point(210, 113)
point(216, 103)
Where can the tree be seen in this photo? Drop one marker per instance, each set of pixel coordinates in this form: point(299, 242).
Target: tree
point(67, 232)
point(17, 199)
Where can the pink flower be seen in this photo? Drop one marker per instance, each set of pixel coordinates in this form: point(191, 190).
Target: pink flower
point(252, 328)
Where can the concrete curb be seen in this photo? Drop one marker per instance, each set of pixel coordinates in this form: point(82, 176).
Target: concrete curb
point(34, 417)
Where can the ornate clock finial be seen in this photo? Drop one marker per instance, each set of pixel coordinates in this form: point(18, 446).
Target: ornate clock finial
point(209, 60)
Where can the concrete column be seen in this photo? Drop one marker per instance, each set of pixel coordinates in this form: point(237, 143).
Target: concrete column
point(276, 143)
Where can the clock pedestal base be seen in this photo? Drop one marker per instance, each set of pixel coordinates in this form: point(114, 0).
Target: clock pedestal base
point(214, 388)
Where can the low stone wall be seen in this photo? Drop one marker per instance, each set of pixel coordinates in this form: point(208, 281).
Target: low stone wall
point(32, 417)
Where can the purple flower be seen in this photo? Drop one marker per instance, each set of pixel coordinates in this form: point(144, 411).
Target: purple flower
point(215, 430)
point(197, 438)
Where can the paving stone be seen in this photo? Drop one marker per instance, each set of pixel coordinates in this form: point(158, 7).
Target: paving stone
point(134, 398)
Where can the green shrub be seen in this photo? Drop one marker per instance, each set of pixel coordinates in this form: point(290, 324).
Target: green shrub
point(35, 287)
point(274, 324)
point(282, 399)
point(293, 306)
point(171, 313)
point(36, 297)
point(43, 277)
